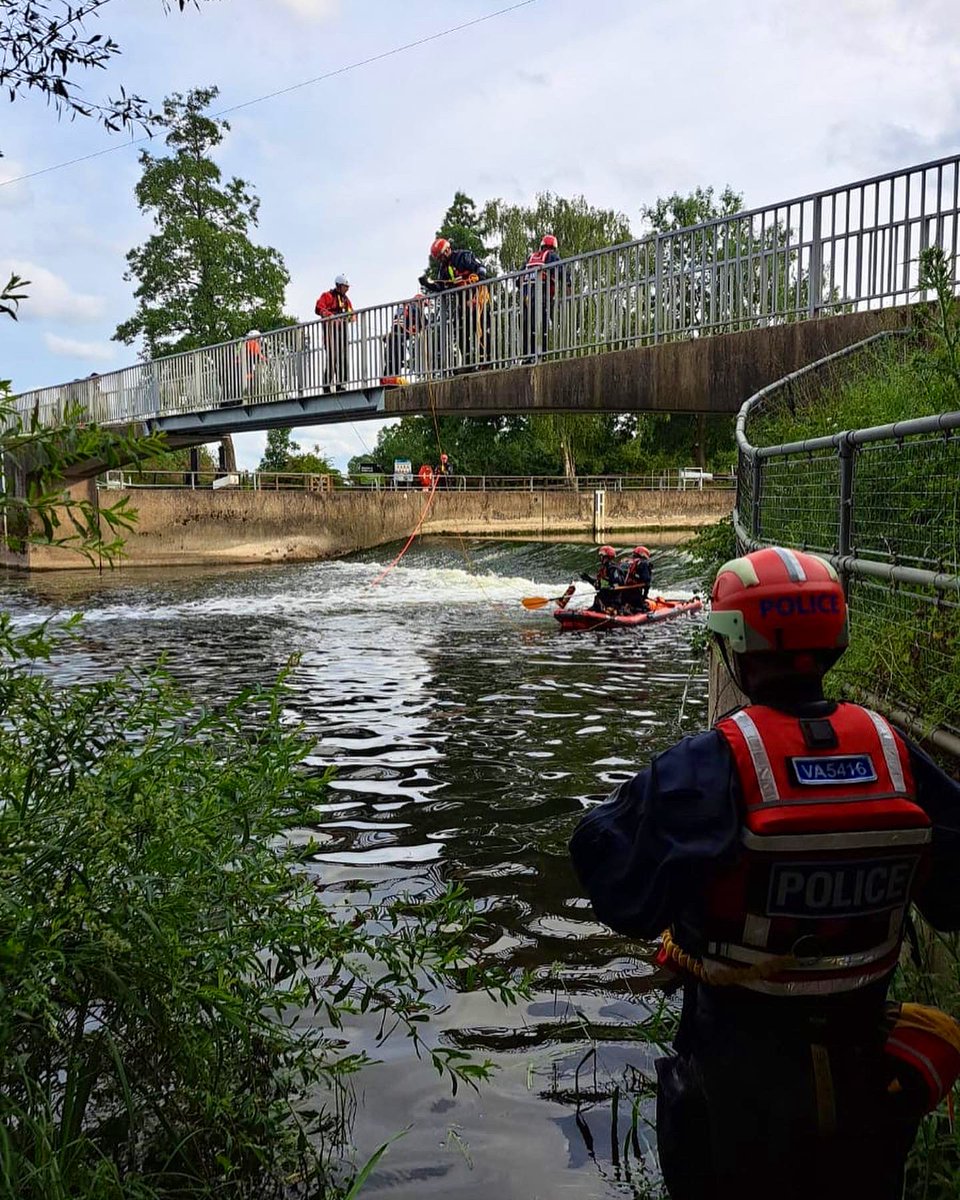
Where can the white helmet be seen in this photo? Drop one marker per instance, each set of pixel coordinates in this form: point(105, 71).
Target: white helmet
point(253, 333)
point(342, 281)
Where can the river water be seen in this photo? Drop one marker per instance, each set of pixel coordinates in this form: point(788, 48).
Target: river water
point(469, 735)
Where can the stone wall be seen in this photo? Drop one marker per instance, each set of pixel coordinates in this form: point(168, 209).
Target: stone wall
point(179, 526)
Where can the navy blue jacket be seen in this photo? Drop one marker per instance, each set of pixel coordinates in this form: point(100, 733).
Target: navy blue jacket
point(460, 262)
point(645, 855)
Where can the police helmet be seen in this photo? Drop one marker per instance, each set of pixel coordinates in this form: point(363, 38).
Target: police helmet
point(777, 599)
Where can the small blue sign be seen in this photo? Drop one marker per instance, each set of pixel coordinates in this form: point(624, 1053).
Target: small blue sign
point(832, 769)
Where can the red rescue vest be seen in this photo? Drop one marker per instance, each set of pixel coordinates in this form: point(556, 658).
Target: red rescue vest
point(537, 259)
point(831, 841)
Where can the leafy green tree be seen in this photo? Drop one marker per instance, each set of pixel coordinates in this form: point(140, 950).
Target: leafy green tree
point(579, 228)
point(577, 225)
point(283, 454)
point(463, 227)
point(200, 278)
point(277, 450)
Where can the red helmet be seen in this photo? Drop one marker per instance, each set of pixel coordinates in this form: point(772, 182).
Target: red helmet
point(640, 552)
point(440, 248)
point(548, 242)
point(778, 599)
point(607, 552)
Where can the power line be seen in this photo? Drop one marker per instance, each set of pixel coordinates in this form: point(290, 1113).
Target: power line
point(363, 62)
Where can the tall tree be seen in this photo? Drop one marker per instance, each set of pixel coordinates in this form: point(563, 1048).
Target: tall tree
point(463, 226)
point(282, 453)
point(280, 446)
point(577, 225)
point(579, 228)
point(200, 277)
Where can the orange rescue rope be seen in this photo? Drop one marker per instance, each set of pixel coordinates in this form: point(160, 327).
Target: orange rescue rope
point(409, 542)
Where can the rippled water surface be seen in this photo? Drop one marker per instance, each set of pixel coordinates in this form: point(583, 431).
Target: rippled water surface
point(469, 735)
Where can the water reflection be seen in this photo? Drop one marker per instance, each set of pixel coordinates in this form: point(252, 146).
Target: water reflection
point(468, 736)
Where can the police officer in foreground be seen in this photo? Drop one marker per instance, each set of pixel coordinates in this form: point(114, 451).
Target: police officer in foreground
point(777, 855)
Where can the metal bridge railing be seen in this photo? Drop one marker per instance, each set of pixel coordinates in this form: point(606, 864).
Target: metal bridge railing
point(883, 504)
point(850, 248)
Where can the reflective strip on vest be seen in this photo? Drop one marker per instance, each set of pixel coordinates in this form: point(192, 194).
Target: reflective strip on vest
point(870, 965)
point(889, 746)
point(885, 838)
point(758, 755)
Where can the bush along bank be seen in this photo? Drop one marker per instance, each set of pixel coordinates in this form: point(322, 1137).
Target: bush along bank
point(173, 984)
point(160, 940)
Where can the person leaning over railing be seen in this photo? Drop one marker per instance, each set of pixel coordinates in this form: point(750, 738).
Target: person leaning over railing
point(336, 310)
point(780, 853)
point(471, 313)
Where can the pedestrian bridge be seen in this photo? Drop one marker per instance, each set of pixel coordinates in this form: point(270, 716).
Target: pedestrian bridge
point(641, 326)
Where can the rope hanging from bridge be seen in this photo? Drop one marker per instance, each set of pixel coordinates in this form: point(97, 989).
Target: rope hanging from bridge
point(409, 542)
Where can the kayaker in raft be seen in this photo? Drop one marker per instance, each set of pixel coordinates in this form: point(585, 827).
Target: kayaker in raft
point(607, 581)
point(779, 854)
point(636, 583)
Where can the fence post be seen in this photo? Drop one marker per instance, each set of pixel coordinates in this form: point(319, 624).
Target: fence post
point(847, 453)
point(657, 284)
point(815, 272)
point(755, 523)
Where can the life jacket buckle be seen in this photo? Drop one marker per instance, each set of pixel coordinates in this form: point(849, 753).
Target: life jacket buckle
point(808, 950)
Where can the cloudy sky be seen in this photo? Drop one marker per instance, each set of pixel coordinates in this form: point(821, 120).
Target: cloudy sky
point(620, 100)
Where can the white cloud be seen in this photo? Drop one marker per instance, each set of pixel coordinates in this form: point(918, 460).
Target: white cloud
point(50, 297)
point(71, 348)
point(312, 10)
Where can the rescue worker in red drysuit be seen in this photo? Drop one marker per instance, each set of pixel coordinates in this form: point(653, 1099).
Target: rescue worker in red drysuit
point(469, 312)
point(444, 472)
point(336, 309)
point(607, 581)
point(637, 579)
point(779, 852)
point(539, 296)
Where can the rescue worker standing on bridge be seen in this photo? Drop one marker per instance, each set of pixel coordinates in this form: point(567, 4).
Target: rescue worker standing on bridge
point(469, 313)
point(779, 853)
point(539, 292)
point(336, 310)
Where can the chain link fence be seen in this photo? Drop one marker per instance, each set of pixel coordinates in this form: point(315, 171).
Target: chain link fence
point(883, 504)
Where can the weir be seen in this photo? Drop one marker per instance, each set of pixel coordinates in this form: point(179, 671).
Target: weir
point(176, 527)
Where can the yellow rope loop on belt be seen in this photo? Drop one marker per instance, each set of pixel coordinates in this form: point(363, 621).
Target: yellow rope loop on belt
point(719, 974)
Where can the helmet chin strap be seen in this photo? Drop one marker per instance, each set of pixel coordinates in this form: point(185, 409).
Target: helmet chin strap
point(721, 643)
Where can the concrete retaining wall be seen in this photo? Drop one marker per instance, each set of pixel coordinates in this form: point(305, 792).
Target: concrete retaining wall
point(178, 527)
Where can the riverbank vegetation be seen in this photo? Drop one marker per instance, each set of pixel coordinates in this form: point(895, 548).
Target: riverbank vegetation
point(178, 996)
